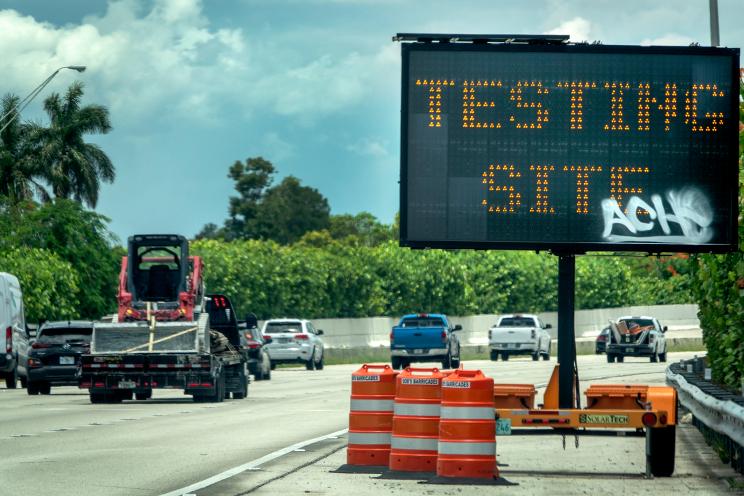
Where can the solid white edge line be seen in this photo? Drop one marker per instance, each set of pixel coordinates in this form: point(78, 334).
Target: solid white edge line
point(251, 465)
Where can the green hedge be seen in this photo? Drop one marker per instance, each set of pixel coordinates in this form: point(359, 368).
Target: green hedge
point(49, 284)
point(356, 281)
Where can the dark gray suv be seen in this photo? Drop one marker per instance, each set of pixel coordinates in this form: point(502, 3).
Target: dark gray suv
point(54, 355)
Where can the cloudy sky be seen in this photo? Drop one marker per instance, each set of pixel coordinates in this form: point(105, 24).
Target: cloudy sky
point(311, 85)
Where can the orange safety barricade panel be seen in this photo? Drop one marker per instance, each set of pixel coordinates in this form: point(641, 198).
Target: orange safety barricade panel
point(467, 426)
point(514, 396)
point(616, 396)
point(416, 420)
point(371, 415)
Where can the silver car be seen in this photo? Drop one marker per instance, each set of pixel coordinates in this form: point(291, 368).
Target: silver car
point(294, 341)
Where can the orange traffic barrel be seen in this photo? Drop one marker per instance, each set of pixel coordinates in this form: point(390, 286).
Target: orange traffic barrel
point(467, 426)
point(371, 415)
point(416, 420)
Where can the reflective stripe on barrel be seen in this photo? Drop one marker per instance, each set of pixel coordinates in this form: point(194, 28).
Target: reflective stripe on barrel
point(467, 412)
point(371, 405)
point(466, 448)
point(369, 437)
point(416, 409)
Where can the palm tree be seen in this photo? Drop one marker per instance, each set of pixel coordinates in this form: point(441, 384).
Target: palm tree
point(72, 167)
point(19, 174)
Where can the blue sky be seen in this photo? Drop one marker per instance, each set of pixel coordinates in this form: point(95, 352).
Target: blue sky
point(311, 85)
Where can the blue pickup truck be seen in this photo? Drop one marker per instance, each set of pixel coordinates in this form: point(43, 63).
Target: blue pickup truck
point(425, 337)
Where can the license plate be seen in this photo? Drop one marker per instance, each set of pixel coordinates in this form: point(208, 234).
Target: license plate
point(283, 340)
point(66, 360)
point(503, 427)
point(418, 351)
point(127, 385)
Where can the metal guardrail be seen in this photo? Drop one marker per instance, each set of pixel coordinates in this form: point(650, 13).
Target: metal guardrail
point(722, 416)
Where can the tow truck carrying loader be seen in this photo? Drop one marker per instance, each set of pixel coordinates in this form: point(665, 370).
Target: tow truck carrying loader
point(161, 336)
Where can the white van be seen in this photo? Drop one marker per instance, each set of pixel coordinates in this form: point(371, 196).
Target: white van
point(13, 335)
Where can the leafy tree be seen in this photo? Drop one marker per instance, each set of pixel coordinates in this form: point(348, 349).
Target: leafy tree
point(72, 167)
point(289, 210)
point(77, 236)
point(19, 176)
point(362, 228)
point(251, 181)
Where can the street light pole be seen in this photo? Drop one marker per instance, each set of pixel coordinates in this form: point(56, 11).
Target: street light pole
point(714, 36)
point(16, 111)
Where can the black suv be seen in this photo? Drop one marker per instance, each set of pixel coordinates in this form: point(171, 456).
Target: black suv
point(54, 355)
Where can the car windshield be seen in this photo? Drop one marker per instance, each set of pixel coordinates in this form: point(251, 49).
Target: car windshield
point(65, 335)
point(422, 322)
point(279, 327)
point(516, 322)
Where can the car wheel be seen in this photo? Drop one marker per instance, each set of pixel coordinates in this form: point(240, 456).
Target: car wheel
point(310, 364)
point(243, 393)
point(620, 359)
point(546, 355)
point(45, 388)
point(24, 381)
point(267, 375)
point(663, 356)
point(396, 362)
point(610, 358)
point(143, 396)
point(654, 357)
point(447, 361)
point(319, 364)
point(505, 356)
point(455, 363)
point(494, 355)
point(32, 388)
point(535, 356)
point(11, 379)
point(273, 366)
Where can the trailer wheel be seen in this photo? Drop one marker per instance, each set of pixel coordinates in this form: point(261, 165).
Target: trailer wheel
point(96, 398)
point(143, 396)
point(661, 450)
point(494, 356)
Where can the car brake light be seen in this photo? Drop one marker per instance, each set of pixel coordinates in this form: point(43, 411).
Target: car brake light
point(302, 337)
point(601, 337)
point(392, 338)
point(8, 339)
point(648, 419)
point(444, 336)
point(252, 345)
point(38, 346)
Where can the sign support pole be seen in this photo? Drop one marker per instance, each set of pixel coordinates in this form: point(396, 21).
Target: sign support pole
point(566, 335)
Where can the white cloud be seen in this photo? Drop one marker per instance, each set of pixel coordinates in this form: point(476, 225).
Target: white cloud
point(578, 28)
point(168, 62)
point(371, 147)
point(669, 39)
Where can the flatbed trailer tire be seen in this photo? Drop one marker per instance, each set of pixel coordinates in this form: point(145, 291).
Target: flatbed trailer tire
point(661, 450)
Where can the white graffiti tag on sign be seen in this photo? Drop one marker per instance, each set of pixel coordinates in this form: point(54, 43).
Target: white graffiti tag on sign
point(688, 208)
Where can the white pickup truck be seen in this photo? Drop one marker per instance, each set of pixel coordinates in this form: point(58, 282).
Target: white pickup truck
point(519, 334)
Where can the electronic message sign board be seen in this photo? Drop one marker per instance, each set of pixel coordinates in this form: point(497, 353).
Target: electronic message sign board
point(569, 147)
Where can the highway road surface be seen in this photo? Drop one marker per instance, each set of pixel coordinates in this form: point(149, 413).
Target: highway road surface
point(287, 438)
